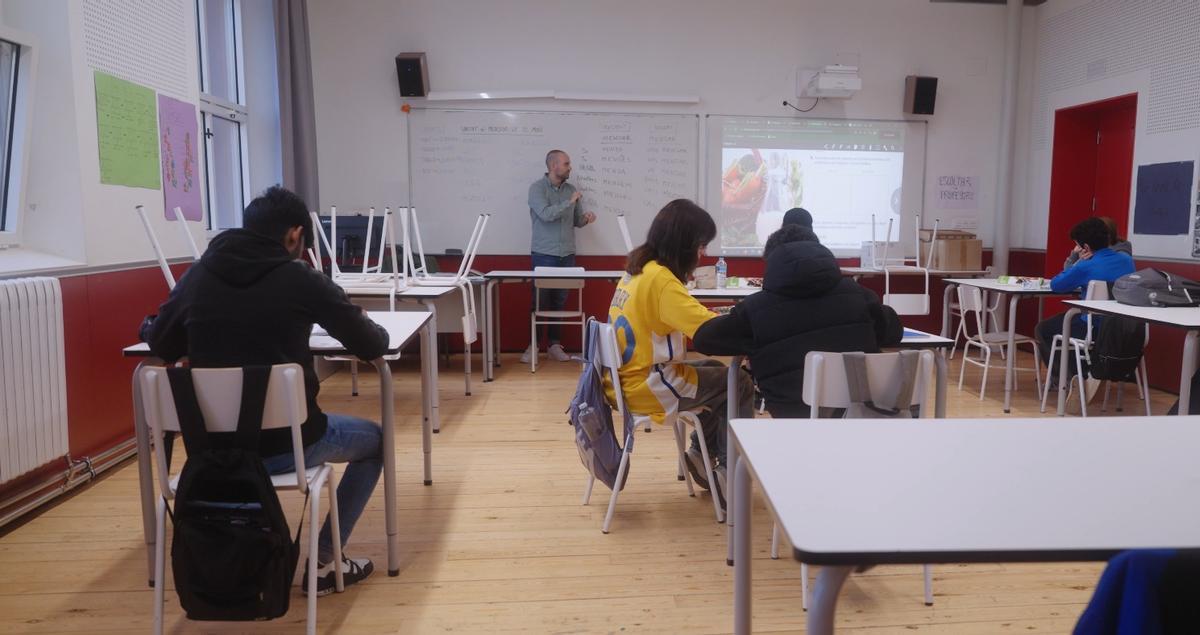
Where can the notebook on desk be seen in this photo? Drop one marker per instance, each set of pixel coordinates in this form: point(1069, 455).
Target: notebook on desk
point(909, 333)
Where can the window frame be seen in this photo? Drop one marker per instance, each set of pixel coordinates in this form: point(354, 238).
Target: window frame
point(14, 183)
point(215, 106)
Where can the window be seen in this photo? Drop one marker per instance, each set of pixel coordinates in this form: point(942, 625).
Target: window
point(223, 110)
point(16, 72)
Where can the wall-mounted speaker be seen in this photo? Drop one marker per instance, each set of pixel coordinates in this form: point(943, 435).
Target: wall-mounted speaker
point(413, 74)
point(919, 94)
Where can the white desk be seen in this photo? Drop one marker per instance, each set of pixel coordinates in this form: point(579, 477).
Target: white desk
point(867, 272)
point(1015, 293)
point(966, 490)
point(913, 340)
point(401, 328)
point(1180, 317)
point(731, 294)
point(491, 319)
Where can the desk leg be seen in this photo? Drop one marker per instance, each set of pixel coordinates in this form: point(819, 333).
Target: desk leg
point(741, 556)
point(1010, 359)
point(1062, 359)
point(946, 295)
point(428, 396)
point(487, 331)
point(432, 370)
point(824, 604)
point(1186, 370)
point(939, 399)
point(141, 431)
point(731, 454)
point(387, 422)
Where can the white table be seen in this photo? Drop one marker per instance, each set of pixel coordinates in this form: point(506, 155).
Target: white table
point(965, 490)
point(731, 294)
point(1015, 293)
point(867, 272)
point(491, 319)
point(913, 340)
point(401, 327)
point(1179, 317)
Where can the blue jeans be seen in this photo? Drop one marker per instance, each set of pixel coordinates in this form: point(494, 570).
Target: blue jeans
point(351, 440)
point(552, 299)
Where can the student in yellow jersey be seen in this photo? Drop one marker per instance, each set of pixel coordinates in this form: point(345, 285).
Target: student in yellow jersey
point(652, 312)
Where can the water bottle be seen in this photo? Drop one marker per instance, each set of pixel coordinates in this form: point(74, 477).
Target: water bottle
point(722, 270)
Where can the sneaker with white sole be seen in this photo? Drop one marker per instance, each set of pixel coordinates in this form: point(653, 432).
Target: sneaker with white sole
point(557, 353)
point(527, 355)
point(695, 465)
point(353, 571)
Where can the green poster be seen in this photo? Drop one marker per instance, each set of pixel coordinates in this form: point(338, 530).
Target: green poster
point(127, 131)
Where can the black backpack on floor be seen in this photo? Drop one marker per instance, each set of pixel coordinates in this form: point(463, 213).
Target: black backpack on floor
point(232, 554)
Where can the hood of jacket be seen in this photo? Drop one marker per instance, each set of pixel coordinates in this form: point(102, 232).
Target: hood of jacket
point(240, 257)
point(801, 269)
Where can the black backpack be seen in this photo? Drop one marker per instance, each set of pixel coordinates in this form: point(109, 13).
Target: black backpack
point(232, 555)
point(1118, 348)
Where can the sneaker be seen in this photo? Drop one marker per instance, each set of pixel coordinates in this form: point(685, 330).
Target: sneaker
point(557, 353)
point(695, 465)
point(352, 571)
point(719, 492)
point(528, 354)
point(1092, 386)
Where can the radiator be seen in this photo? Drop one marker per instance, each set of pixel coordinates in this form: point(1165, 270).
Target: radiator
point(33, 385)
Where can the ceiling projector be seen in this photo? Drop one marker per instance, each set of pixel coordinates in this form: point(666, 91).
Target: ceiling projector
point(833, 81)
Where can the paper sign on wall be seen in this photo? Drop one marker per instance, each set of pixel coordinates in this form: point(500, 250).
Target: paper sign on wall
point(1163, 201)
point(178, 147)
point(125, 132)
point(957, 192)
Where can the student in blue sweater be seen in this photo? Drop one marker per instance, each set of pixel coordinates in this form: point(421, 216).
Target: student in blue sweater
point(1097, 261)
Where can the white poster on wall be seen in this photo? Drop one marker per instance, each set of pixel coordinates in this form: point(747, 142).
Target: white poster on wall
point(956, 192)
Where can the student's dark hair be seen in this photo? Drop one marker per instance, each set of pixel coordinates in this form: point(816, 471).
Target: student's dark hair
point(276, 211)
point(788, 234)
point(1091, 232)
point(674, 240)
point(1111, 224)
point(551, 156)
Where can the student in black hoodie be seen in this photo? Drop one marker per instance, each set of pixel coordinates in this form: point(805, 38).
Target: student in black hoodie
point(805, 305)
point(250, 300)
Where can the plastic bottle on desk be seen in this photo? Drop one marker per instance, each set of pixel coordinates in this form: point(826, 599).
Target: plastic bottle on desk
point(722, 271)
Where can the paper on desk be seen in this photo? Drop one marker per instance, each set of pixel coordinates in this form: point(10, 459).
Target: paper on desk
point(320, 342)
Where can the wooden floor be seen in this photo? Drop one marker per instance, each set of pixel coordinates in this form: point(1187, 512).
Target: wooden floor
point(500, 543)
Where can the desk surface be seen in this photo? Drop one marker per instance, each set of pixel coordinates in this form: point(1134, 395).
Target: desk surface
point(907, 270)
point(529, 275)
point(1182, 317)
point(401, 327)
point(724, 293)
point(991, 284)
point(977, 490)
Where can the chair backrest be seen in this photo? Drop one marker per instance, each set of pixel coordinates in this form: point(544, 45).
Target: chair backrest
point(608, 358)
point(1096, 290)
point(564, 283)
point(825, 380)
point(219, 393)
point(906, 303)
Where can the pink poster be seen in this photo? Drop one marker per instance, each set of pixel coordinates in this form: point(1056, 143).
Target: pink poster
point(178, 140)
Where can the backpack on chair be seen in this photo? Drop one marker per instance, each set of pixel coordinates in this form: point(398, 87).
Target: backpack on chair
point(591, 416)
point(1118, 349)
point(859, 388)
point(232, 554)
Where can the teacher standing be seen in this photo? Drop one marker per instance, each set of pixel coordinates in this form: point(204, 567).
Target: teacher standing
point(555, 212)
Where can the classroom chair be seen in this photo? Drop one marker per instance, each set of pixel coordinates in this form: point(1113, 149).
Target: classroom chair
point(992, 310)
point(970, 299)
point(906, 303)
point(560, 317)
point(609, 359)
point(218, 391)
point(1096, 290)
point(826, 386)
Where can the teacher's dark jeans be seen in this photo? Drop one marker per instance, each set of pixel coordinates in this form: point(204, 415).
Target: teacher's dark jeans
point(552, 299)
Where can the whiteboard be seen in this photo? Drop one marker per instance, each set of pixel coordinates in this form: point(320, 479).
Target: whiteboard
point(466, 162)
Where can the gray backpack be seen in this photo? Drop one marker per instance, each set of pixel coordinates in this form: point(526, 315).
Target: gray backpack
point(1151, 287)
point(591, 416)
point(862, 405)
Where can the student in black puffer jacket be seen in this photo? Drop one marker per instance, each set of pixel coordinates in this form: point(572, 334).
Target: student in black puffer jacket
point(805, 305)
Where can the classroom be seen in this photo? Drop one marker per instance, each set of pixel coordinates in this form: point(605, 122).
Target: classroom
point(481, 230)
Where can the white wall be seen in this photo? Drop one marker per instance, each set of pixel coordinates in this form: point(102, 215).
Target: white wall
point(1087, 50)
point(740, 58)
point(71, 214)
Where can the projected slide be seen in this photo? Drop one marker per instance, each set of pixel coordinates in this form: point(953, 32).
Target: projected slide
point(843, 172)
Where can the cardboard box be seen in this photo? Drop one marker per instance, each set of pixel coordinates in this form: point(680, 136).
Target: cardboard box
point(955, 250)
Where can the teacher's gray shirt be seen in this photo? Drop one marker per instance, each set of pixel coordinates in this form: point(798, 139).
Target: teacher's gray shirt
point(554, 217)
